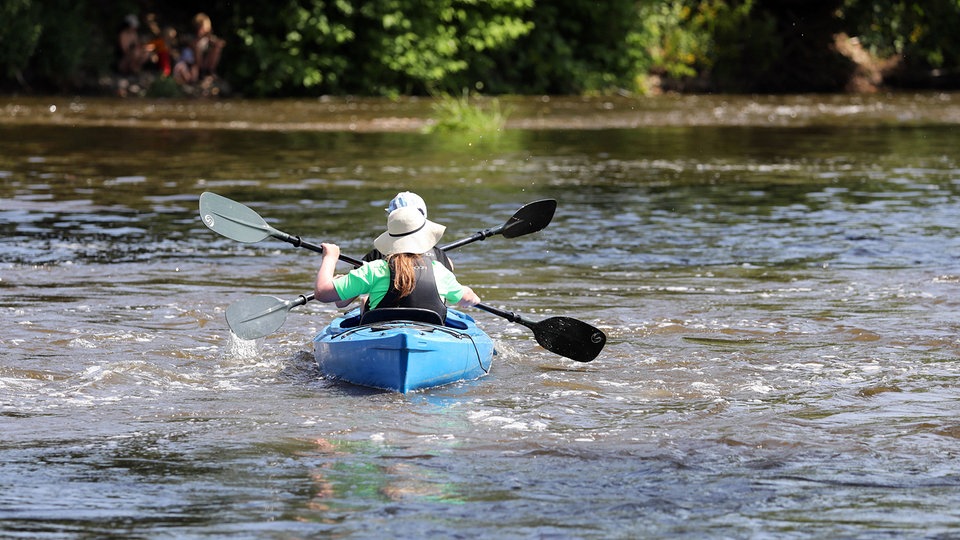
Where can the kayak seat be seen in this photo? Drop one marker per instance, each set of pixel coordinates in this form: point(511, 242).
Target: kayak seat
point(350, 322)
point(401, 314)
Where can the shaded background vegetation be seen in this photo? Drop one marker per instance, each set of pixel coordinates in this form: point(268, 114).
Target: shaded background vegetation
point(412, 47)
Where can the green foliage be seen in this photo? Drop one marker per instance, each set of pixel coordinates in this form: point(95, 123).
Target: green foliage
point(422, 47)
point(467, 114)
point(743, 42)
point(575, 46)
point(674, 46)
point(292, 47)
point(56, 44)
point(164, 87)
point(19, 35)
point(923, 33)
point(382, 47)
point(65, 42)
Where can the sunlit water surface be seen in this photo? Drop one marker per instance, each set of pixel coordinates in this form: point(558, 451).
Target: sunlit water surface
point(781, 300)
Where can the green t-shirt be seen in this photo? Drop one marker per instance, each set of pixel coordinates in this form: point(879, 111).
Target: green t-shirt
point(373, 279)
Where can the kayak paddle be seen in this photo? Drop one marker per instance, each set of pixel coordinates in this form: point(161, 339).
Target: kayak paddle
point(568, 337)
point(239, 222)
point(262, 315)
point(259, 316)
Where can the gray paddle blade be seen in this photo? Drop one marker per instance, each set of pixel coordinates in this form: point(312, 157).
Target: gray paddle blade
point(257, 316)
point(232, 219)
point(571, 338)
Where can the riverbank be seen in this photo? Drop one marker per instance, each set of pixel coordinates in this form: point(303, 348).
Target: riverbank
point(150, 84)
point(411, 114)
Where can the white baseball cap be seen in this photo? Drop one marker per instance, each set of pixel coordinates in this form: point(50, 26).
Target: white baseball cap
point(406, 199)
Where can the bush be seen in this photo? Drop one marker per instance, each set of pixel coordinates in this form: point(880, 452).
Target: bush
point(20, 33)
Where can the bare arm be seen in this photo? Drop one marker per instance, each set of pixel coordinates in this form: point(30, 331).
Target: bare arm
point(469, 298)
point(324, 290)
point(344, 303)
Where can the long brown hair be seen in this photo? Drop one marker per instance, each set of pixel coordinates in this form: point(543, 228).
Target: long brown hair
point(404, 271)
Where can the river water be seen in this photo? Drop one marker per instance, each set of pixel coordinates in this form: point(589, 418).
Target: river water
point(778, 278)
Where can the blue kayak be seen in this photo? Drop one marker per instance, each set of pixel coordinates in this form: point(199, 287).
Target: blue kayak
point(403, 355)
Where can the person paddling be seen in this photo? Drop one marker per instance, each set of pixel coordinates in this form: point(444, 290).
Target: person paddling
point(409, 199)
point(404, 279)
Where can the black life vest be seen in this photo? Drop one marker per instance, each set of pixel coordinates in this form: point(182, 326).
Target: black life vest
point(425, 294)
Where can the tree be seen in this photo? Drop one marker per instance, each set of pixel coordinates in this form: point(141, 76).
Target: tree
point(19, 35)
point(381, 47)
point(394, 47)
point(923, 35)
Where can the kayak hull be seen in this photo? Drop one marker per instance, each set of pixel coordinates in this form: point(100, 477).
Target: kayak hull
point(404, 356)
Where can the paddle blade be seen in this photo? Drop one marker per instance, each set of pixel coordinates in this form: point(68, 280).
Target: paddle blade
point(530, 218)
point(257, 316)
point(571, 338)
point(232, 219)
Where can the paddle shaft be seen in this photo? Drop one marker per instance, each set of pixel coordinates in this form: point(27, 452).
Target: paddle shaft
point(239, 222)
point(299, 242)
point(256, 322)
point(479, 235)
point(508, 315)
point(563, 335)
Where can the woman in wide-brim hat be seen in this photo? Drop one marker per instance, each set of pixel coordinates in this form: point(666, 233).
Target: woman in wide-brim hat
point(406, 199)
point(405, 278)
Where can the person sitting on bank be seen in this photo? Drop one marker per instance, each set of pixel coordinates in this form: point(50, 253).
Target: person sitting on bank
point(132, 53)
point(159, 45)
point(206, 46)
point(404, 279)
point(185, 71)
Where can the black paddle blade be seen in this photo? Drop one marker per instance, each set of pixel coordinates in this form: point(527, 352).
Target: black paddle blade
point(257, 316)
point(530, 218)
point(571, 338)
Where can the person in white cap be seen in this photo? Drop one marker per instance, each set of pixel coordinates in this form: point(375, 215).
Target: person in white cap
point(406, 278)
point(408, 199)
point(405, 199)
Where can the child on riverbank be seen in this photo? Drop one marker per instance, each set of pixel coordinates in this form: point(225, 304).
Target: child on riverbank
point(206, 47)
point(131, 51)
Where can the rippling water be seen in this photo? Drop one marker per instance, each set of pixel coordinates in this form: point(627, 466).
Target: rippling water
point(780, 299)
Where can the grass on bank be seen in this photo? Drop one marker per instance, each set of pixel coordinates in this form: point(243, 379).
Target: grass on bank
point(468, 114)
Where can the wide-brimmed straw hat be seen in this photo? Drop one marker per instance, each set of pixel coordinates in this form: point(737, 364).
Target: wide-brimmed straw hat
point(408, 231)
